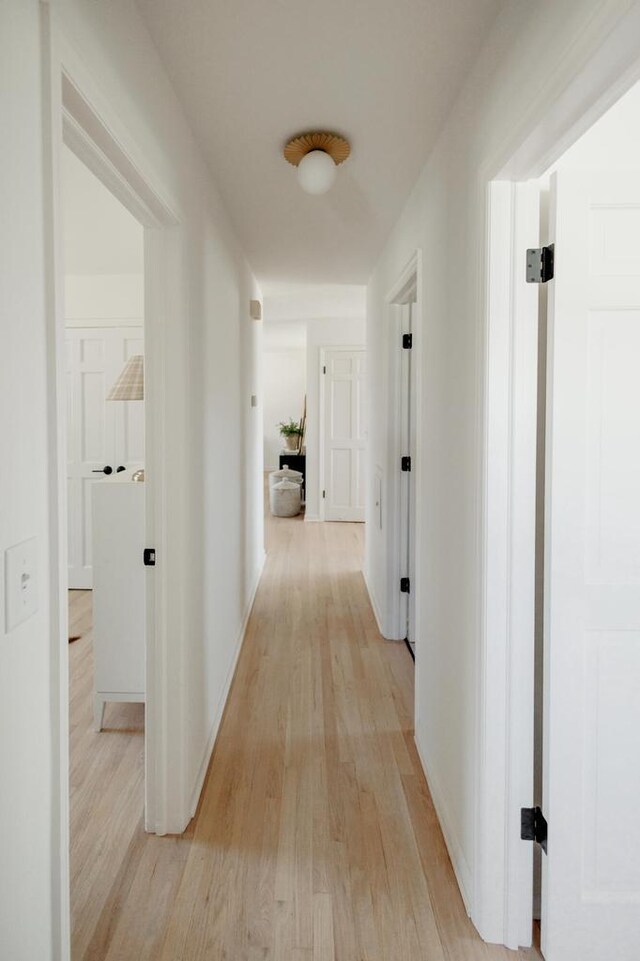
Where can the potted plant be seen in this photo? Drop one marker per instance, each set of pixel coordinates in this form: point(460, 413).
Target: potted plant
point(291, 432)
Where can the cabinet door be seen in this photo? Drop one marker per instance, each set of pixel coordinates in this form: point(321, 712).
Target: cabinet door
point(119, 588)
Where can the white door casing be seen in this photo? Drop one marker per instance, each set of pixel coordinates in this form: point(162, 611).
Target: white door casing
point(343, 433)
point(591, 877)
point(99, 432)
point(407, 482)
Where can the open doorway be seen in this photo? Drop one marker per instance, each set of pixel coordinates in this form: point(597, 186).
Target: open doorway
point(103, 265)
point(314, 373)
point(571, 491)
point(403, 454)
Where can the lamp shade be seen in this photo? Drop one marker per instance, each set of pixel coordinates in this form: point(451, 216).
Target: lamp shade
point(316, 172)
point(130, 383)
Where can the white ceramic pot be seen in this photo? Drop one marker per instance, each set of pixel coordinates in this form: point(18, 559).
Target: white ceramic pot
point(292, 441)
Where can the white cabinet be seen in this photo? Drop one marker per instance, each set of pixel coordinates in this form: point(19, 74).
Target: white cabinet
point(118, 592)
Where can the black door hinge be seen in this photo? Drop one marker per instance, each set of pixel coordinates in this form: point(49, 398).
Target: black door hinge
point(405, 463)
point(407, 341)
point(533, 826)
point(324, 369)
point(540, 262)
point(149, 557)
point(324, 493)
point(405, 585)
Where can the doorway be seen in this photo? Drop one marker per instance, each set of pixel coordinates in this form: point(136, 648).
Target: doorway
point(103, 264)
point(572, 669)
point(403, 455)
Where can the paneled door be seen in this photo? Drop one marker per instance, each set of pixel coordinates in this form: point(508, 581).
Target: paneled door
point(343, 441)
point(101, 435)
point(591, 875)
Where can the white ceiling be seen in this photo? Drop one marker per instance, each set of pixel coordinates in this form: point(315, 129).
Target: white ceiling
point(99, 235)
point(252, 73)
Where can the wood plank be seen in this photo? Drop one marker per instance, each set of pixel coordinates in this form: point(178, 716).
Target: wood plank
point(316, 838)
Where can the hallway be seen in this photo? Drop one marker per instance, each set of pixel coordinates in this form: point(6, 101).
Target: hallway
point(315, 838)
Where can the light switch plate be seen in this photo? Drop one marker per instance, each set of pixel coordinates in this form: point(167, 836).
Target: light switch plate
point(21, 583)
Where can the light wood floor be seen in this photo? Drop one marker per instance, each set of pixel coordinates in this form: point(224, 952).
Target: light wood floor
point(316, 838)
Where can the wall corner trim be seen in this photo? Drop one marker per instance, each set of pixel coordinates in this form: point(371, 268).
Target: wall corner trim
point(372, 601)
point(459, 862)
point(215, 727)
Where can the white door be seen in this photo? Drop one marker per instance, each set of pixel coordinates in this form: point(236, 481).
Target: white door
point(344, 434)
point(591, 876)
point(101, 434)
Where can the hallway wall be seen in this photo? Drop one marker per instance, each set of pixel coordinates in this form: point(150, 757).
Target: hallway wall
point(445, 218)
point(214, 435)
point(285, 381)
point(28, 813)
point(215, 438)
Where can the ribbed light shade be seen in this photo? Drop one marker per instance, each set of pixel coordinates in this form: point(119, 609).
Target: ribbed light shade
point(130, 383)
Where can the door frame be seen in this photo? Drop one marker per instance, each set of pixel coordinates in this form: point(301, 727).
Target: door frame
point(76, 113)
point(321, 419)
point(600, 68)
point(405, 291)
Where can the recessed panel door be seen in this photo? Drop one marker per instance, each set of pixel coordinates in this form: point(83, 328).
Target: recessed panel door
point(344, 434)
point(591, 876)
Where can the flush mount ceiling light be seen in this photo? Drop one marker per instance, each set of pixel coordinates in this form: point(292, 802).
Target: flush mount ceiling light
point(317, 155)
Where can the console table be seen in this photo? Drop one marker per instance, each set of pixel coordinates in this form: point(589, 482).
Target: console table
point(295, 462)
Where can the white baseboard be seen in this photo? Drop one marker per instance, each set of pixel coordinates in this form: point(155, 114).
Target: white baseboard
point(460, 864)
point(312, 518)
point(211, 740)
point(372, 601)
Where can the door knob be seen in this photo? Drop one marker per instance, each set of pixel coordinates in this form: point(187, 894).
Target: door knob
point(119, 469)
point(103, 470)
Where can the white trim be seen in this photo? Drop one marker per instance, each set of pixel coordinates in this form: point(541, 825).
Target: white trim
point(372, 601)
point(215, 727)
point(52, 139)
point(506, 697)
point(406, 290)
point(72, 323)
point(600, 66)
point(459, 863)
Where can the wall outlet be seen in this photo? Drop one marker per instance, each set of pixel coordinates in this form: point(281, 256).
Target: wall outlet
point(21, 583)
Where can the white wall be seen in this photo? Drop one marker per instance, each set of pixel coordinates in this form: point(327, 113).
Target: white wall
point(284, 381)
point(284, 387)
point(445, 217)
point(103, 299)
point(323, 332)
point(214, 436)
point(102, 251)
point(612, 143)
point(215, 523)
point(27, 805)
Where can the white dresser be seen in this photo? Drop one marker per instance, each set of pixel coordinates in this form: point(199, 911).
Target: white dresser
point(118, 592)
